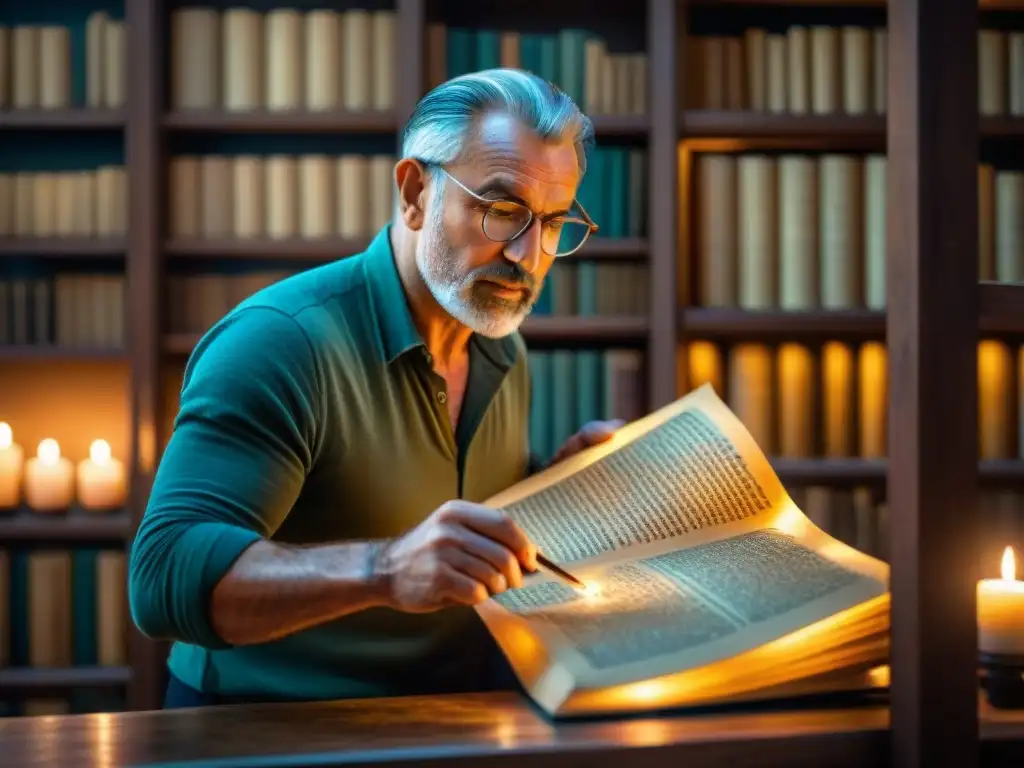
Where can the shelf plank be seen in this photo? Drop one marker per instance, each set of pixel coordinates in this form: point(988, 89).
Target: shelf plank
point(330, 249)
point(736, 323)
point(48, 353)
point(985, 5)
point(62, 247)
point(621, 125)
point(739, 124)
point(62, 119)
point(613, 249)
point(334, 121)
point(49, 678)
point(699, 124)
point(1002, 126)
point(1001, 307)
point(545, 330)
point(300, 249)
point(856, 471)
point(75, 525)
point(594, 329)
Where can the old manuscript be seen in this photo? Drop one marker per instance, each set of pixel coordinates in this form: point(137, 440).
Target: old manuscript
point(706, 583)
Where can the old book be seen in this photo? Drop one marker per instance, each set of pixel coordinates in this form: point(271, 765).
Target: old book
point(705, 583)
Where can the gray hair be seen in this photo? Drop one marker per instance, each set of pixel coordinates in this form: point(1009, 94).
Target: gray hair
point(437, 128)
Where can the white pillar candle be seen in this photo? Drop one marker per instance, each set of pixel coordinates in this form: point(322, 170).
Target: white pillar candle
point(101, 479)
point(1001, 611)
point(12, 460)
point(49, 479)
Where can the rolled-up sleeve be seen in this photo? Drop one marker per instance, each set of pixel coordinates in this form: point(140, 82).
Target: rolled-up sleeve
point(243, 442)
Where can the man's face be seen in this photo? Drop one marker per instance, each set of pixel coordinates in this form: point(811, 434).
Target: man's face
point(491, 286)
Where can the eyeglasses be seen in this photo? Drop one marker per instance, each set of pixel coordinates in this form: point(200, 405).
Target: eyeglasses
point(505, 220)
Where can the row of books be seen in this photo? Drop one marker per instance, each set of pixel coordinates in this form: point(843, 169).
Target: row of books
point(803, 70)
point(799, 231)
point(196, 301)
point(62, 608)
point(285, 59)
point(571, 387)
point(89, 203)
point(600, 81)
point(70, 310)
point(860, 517)
point(831, 401)
point(828, 70)
point(280, 196)
point(39, 69)
point(614, 193)
point(790, 231)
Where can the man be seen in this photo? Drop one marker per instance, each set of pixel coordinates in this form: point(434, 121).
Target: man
point(315, 528)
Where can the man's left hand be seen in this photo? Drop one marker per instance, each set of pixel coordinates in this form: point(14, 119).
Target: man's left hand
point(592, 433)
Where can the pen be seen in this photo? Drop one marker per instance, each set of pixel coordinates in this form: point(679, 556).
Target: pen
point(560, 572)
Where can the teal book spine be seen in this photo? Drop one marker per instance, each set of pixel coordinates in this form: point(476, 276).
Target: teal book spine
point(460, 54)
point(617, 191)
point(488, 49)
point(540, 404)
point(83, 606)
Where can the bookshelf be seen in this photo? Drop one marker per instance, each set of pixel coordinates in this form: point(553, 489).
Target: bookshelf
point(670, 132)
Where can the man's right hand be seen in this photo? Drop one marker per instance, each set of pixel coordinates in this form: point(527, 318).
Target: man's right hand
point(460, 555)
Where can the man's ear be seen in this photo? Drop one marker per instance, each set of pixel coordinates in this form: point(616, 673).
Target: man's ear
point(411, 181)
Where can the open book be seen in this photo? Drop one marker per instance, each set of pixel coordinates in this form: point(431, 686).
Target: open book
point(706, 583)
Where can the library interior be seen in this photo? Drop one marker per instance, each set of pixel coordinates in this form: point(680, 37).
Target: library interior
point(812, 208)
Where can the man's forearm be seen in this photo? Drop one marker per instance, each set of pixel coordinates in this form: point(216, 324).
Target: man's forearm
point(273, 591)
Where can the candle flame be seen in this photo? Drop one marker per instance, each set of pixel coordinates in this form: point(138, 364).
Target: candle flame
point(49, 451)
point(99, 451)
point(1009, 566)
point(6, 436)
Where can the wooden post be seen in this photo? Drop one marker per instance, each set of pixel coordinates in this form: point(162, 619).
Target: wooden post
point(145, 182)
point(932, 276)
point(663, 206)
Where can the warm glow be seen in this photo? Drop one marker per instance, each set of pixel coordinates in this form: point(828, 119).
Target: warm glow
point(646, 691)
point(1009, 566)
point(99, 452)
point(49, 451)
point(592, 589)
point(6, 436)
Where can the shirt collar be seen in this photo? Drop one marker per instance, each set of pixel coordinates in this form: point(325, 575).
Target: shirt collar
point(398, 333)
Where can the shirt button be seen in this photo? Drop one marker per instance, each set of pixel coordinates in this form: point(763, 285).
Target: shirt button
point(442, 398)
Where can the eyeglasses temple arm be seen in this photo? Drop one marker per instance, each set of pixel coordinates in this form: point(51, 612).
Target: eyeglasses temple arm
point(586, 216)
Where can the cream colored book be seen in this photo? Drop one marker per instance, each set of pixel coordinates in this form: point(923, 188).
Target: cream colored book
point(705, 583)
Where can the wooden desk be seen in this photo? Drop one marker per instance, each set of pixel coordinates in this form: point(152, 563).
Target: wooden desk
point(463, 730)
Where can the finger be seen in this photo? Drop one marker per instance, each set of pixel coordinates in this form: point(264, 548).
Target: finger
point(477, 569)
point(596, 432)
point(462, 590)
point(495, 525)
point(500, 558)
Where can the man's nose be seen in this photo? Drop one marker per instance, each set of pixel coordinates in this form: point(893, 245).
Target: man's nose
point(525, 250)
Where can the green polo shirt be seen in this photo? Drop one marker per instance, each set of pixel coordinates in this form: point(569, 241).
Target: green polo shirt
point(311, 414)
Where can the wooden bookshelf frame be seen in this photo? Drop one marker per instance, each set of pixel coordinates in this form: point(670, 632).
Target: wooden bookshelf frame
point(935, 318)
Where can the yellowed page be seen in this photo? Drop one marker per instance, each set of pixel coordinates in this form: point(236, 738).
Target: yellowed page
point(694, 552)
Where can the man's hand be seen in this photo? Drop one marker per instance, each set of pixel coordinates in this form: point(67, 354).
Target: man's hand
point(592, 433)
point(460, 555)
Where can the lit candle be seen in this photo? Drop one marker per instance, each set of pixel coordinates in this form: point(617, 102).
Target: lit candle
point(11, 463)
point(101, 480)
point(1001, 611)
point(49, 479)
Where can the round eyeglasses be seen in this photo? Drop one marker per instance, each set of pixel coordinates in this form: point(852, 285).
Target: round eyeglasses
point(505, 220)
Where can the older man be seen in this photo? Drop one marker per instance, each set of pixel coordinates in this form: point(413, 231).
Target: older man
point(315, 528)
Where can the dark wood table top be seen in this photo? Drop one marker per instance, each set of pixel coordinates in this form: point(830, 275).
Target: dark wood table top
point(458, 730)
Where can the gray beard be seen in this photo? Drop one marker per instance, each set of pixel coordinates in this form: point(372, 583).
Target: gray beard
point(457, 293)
